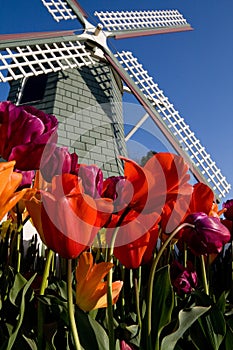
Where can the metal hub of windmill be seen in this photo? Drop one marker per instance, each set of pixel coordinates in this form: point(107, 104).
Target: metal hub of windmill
point(33, 54)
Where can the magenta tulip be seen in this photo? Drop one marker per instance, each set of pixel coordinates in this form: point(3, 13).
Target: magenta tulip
point(184, 280)
point(207, 236)
point(228, 205)
point(25, 131)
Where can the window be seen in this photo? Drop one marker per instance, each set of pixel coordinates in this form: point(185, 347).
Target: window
point(33, 89)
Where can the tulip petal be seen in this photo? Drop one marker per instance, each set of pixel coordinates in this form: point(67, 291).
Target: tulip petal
point(116, 288)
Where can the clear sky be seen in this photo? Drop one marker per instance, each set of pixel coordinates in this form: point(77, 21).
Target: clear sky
point(194, 69)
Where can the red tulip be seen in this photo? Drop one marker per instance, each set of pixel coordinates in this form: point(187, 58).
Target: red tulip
point(66, 218)
point(136, 239)
point(200, 199)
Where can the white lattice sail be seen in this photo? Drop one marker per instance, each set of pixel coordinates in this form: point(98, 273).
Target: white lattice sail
point(173, 122)
point(166, 20)
point(59, 9)
point(26, 60)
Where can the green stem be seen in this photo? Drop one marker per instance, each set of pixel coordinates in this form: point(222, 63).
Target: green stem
point(40, 314)
point(136, 290)
point(203, 269)
point(45, 277)
point(18, 245)
point(109, 294)
point(71, 305)
point(122, 295)
point(185, 255)
point(19, 238)
point(151, 279)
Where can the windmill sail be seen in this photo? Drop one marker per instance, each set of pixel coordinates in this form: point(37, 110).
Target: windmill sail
point(167, 118)
point(40, 53)
point(126, 24)
point(65, 9)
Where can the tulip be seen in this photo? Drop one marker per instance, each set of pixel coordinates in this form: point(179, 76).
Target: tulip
point(26, 131)
point(113, 188)
point(208, 235)
point(136, 239)
point(175, 211)
point(228, 224)
point(137, 186)
point(91, 291)
point(9, 182)
point(184, 280)
point(27, 178)
point(163, 178)
point(92, 179)
point(228, 205)
point(60, 162)
point(125, 346)
point(66, 218)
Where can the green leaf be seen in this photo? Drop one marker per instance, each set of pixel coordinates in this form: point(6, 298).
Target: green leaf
point(186, 319)
point(210, 330)
point(92, 335)
point(31, 342)
point(228, 340)
point(18, 285)
point(221, 303)
point(60, 287)
point(13, 336)
point(162, 306)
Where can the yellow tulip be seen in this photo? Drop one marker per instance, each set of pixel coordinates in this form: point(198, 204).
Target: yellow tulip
point(91, 291)
point(9, 181)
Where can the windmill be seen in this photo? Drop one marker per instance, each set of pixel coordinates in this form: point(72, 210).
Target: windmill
point(55, 61)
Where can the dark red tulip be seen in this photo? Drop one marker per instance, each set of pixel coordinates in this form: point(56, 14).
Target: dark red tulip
point(113, 187)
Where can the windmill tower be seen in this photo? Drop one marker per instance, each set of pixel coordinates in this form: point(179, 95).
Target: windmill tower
point(76, 71)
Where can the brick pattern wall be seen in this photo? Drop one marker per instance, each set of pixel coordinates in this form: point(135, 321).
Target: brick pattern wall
point(88, 105)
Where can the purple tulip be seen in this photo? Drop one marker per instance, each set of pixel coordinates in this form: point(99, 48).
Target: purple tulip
point(208, 235)
point(184, 280)
point(92, 179)
point(57, 163)
point(25, 131)
point(28, 176)
point(229, 212)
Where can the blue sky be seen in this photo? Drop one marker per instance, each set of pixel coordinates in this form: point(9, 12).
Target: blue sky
point(194, 69)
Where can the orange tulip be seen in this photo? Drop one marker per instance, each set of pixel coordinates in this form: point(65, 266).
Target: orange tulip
point(9, 181)
point(91, 291)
